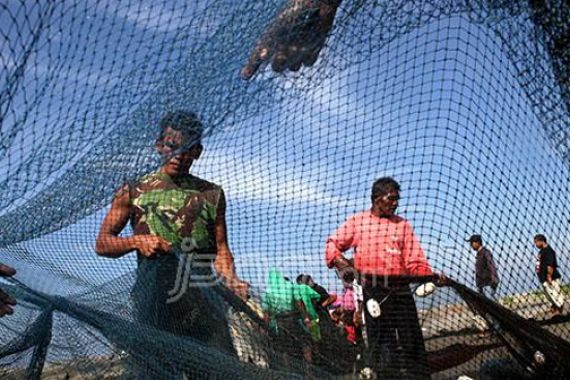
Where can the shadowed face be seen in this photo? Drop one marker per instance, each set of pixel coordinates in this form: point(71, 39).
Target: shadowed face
point(539, 243)
point(386, 205)
point(475, 245)
point(177, 153)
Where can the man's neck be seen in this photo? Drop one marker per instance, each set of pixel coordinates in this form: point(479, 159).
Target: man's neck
point(176, 176)
point(378, 214)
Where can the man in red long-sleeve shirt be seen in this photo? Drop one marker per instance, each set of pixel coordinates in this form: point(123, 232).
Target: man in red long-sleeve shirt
point(386, 254)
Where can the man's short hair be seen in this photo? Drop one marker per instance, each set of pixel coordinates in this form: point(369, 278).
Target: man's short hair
point(475, 238)
point(184, 121)
point(303, 279)
point(540, 237)
point(383, 186)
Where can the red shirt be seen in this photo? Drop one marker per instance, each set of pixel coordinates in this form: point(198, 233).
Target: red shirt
point(382, 246)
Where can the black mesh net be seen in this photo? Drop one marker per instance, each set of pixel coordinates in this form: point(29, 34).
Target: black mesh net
point(302, 105)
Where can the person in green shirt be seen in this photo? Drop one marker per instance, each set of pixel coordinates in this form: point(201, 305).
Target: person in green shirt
point(290, 314)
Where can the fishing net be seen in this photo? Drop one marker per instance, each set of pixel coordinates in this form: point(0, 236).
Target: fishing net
point(465, 103)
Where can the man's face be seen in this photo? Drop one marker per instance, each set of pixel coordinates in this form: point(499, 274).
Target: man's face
point(475, 245)
point(539, 244)
point(177, 159)
point(387, 204)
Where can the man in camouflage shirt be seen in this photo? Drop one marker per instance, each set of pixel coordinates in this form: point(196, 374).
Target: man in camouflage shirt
point(179, 231)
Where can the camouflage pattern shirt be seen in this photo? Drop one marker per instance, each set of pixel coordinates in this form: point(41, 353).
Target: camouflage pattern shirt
point(183, 212)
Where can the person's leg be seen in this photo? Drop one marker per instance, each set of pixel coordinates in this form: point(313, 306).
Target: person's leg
point(382, 352)
point(350, 333)
point(149, 309)
point(554, 295)
point(559, 296)
point(412, 356)
point(373, 331)
point(489, 292)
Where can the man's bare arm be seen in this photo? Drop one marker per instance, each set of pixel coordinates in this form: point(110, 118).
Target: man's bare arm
point(224, 263)
point(549, 273)
point(329, 301)
point(110, 244)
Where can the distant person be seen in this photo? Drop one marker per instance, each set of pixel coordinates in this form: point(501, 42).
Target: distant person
point(386, 254)
point(325, 299)
point(7, 302)
point(178, 222)
point(486, 277)
point(351, 308)
point(289, 313)
point(548, 275)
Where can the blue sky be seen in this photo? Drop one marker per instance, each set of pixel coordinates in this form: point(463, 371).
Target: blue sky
point(438, 108)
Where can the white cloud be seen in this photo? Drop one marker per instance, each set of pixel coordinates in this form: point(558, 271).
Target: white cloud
point(259, 179)
point(148, 17)
point(160, 18)
point(329, 95)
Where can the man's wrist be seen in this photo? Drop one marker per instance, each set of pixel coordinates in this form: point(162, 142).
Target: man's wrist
point(132, 242)
point(229, 277)
point(225, 271)
point(341, 262)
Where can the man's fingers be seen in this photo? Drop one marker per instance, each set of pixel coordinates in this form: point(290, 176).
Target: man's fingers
point(275, 40)
point(310, 54)
point(294, 57)
point(156, 249)
point(295, 37)
point(6, 303)
point(6, 298)
point(341, 263)
point(441, 279)
point(7, 271)
point(262, 52)
point(165, 246)
point(259, 55)
point(315, 42)
point(243, 294)
point(161, 245)
point(248, 70)
point(240, 288)
point(150, 250)
point(279, 62)
point(320, 31)
point(243, 289)
point(6, 310)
